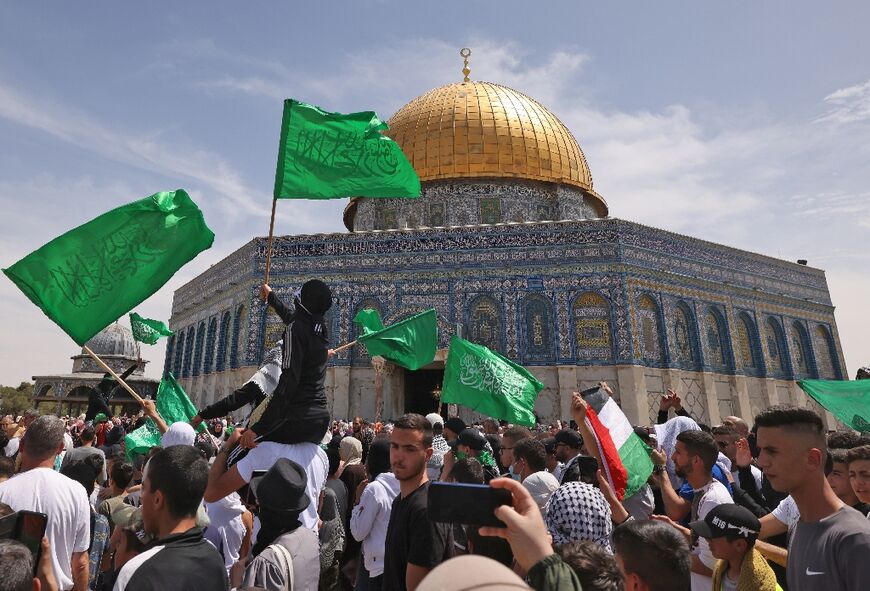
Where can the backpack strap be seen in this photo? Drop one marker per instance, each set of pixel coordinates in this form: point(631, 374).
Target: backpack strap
point(286, 561)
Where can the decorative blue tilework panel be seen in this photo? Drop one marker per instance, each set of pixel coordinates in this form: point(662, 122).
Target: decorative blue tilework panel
point(775, 348)
point(800, 351)
point(825, 353)
point(197, 350)
point(167, 361)
point(211, 336)
point(749, 346)
point(484, 322)
point(715, 340)
point(649, 330)
point(179, 353)
point(537, 341)
point(592, 338)
point(223, 337)
point(234, 343)
point(188, 352)
point(683, 337)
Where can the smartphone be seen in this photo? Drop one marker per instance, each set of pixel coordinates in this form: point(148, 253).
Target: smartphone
point(473, 504)
point(27, 527)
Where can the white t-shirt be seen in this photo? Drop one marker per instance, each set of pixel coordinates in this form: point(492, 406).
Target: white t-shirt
point(787, 512)
point(226, 529)
point(308, 455)
point(65, 503)
point(713, 494)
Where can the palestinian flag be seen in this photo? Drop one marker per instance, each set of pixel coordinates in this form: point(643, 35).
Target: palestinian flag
point(627, 464)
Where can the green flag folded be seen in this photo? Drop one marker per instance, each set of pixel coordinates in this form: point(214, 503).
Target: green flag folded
point(148, 331)
point(138, 442)
point(173, 406)
point(848, 401)
point(87, 278)
point(491, 384)
point(410, 343)
point(368, 321)
point(330, 155)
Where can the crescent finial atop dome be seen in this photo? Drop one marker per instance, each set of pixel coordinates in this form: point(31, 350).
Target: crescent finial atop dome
point(465, 53)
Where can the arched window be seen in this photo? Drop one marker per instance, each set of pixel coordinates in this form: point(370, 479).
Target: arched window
point(179, 354)
point(167, 361)
point(234, 343)
point(684, 351)
point(800, 351)
point(197, 349)
point(715, 340)
point(221, 361)
point(210, 337)
point(484, 322)
point(774, 342)
point(359, 354)
point(826, 355)
point(649, 329)
point(592, 327)
point(188, 352)
point(748, 346)
point(536, 330)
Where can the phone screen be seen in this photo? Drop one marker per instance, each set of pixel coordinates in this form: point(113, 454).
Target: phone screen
point(28, 528)
point(472, 504)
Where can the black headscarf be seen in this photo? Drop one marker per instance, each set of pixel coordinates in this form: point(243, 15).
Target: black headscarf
point(273, 525)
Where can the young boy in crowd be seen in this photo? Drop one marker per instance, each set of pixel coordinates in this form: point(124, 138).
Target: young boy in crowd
point(858, 464)
point(841, 483)
point(731, 531)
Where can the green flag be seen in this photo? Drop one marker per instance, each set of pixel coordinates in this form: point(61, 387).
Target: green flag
point(410, 343)
point(87, 278)
point(141, 440)
point(368, 321)
point(330, 155)
point(173, 406)
point(491, 384)
point(848, 401)
point(148, 331)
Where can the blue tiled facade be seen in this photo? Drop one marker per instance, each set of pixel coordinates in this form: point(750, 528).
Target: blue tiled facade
point(590, 292)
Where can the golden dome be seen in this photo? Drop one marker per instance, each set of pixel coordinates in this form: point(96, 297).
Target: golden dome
point(481, 129)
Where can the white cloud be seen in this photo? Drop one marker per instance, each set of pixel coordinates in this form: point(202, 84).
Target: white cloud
point(848, 105)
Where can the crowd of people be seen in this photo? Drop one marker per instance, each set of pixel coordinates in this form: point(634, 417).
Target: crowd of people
point(289, 498)
point(780, 505)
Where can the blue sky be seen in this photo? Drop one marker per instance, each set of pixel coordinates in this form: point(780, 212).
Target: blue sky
point(746, 123)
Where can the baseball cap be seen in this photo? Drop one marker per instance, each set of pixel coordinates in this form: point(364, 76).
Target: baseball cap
point(472, 438)
point(433, 418)
point(570, 438)
point(455, 424)
point(100, 418)
point(728, 520)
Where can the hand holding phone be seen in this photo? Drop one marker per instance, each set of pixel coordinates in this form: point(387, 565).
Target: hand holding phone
point(472, 504)
point(525, 530)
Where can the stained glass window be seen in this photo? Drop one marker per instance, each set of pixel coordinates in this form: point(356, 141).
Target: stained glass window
point(799, 351)
point(746, 338)
point(774, 347)
point(714, 335)
point(490, 211)
point(188, 352)
point(485, 322)
point(179, 354)
point(822, 344)
point(650, 334)
point(592, 327)
point(683, 351)
point(237, 329)
point(197, 349)
point(224, 335)
point(538, 341)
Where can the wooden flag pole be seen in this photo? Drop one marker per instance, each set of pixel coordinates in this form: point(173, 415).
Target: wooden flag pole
point(102, 364)
point(344, 346)
point(269, 245)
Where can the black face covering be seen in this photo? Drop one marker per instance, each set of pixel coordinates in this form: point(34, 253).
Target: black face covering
point(316, 297)
point(273, 525)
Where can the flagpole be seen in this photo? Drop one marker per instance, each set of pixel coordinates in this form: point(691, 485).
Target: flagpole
point(269, 245)
point(344, 346)
point(102, 364)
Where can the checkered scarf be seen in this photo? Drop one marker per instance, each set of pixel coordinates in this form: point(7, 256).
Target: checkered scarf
point(578, 511)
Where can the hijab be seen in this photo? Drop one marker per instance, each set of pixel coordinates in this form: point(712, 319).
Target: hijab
point(350, 450)
point(666, 435)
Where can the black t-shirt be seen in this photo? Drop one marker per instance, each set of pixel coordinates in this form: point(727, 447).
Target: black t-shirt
point(412, 538)
point(862, 508)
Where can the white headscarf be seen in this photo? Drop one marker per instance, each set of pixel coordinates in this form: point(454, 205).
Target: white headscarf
point(666, 435)
point(350, 451)
point(179, 433)
point(541, 485)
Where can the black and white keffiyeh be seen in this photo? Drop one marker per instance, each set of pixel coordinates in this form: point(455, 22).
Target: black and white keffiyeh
point(578, 511)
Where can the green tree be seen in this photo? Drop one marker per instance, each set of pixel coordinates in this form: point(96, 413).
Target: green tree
point(15, 400)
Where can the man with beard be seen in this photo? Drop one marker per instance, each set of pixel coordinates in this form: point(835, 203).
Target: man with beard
point(414, 544)
point(694, 455)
